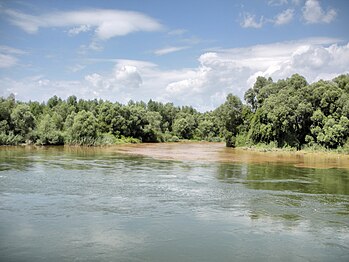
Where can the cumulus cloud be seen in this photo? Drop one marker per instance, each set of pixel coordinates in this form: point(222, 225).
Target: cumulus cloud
point(95, 80)
point(284, 17)
point(235, 70)
point(168, 50)
point(124, 78)
point(128, 76)
point(105, 22)
point(313, 13)
point(205, 87)
point(192, 85)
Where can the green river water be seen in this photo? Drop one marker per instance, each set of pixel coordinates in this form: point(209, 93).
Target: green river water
point(192, 204)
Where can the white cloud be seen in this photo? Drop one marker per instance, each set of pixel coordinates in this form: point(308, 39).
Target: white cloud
point(128, 76)
point(235, 70)
point(177, 32)
point(76, 68)
point(7, 61)
point(277, 2)
point(170, 49)
point(77, 30)
point(313, 13)
point(249, 21)
point(94, 46)
point(38, 88)
point(8, 56)
point(11, 50)
point(284, 17)
point(297, 2)
point(106, 23)
point(205, 87)
point(95, 79)
point(192, 85)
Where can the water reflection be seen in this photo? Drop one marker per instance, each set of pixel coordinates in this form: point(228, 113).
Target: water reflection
point(290, 178)
point(99, 204)
point(292, 196)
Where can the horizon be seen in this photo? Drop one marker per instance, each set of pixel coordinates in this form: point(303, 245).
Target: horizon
point(189, 54)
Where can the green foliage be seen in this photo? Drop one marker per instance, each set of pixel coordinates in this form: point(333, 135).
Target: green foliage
point(229, 118)
point(83, 130)
point(184, 126)
point(257, 94)
point(23, 120)
point(48, 132)
point(107, 139)
point(299, 114)
point(242, 140)
point(127, 140)
point(10, 139)
point(152, 130)
point(288, 114)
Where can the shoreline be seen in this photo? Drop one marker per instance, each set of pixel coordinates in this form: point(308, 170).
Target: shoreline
point(294, 151)
point(204, 152)
point(244, 148)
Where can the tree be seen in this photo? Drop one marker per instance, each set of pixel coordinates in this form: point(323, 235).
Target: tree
point(296, 82)
point(343, 82)
point(84, 129)
point(48, 133)
point(36, 108)
point(6, 106)
point(229, 116)
point(53, 101)
point(168, 113)
point(184, 126)
point(110, 118)
point(206, 129)
point(135, 121)
point(152, 130)
point(23, 120)
point(254, 96)
point(72, 101)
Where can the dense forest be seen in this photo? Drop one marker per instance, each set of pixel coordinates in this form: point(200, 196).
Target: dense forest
point(288, 113)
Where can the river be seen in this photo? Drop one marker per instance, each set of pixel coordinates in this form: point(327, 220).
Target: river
point(172, 202)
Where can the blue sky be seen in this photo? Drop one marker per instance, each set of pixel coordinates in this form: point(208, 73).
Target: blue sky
point(185, 51)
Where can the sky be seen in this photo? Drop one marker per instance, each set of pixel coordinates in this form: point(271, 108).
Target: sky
point(188, 52)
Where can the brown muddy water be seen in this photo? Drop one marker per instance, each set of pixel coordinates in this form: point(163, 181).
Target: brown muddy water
point(172, 202)
point(217, 152)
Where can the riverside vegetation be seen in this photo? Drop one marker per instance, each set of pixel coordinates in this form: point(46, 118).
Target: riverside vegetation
point(289, 114)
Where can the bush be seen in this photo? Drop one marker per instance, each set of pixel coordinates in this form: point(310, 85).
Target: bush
point(174, 139)
point(108, 139)
point(214, 139)
point(10, 139)
point(127, 140)
point(50, 138)
point(243, 141)
point(83, 141)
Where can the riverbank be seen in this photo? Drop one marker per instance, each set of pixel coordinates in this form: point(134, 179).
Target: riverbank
point(217, 152)
point(260, 148)
point(307, 150)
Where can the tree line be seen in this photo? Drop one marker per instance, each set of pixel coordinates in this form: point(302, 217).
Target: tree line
point(287, 113)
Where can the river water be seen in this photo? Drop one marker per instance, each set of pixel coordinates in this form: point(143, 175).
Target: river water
point(171, 202)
